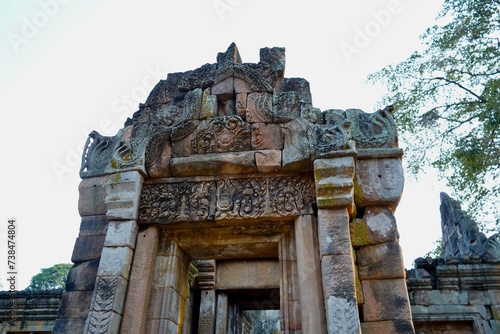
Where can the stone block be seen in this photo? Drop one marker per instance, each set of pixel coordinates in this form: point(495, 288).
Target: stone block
point(224, 89)
point(75, 305)
point(385, 300)
point(296, 147)
point(456, 312)
point(286, 106)
point(259, 108)
point(241, 86)
point(266, 136)
point(121, 234)
point(268, 161)
point(388, 327)
point(334, 182)
point(123, 191)
point(171, 305)
point(380, 261)
point(440, 297)
point(338, 277)
point(91, 196)
point(377, 226)
point(252, 274)
point(214, 164)
point(479, 297)
point(82, 275)
point(87, 248)
point(65, 326)
point(155, 303)
point(333, 232)
point(93, 225)
point(170, 271)
point(494, 296)
point(208, 105)
point(115, 261)
point(378, 182)
point(241, 105)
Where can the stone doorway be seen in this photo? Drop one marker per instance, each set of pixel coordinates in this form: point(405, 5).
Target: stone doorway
point(228, 172)
point(250, 311)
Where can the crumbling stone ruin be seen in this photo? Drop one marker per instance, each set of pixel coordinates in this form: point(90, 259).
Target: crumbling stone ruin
point(226, 192)
point(229, 204)
point(459, 292)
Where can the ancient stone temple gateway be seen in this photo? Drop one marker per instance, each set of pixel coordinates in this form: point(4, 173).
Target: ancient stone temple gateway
point(227, 191)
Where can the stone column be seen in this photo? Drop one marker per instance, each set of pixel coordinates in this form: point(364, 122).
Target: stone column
point(335, 197)
point(108, 300)
point(309, 273)
point(289, 285)
point(206, 282)
point(170, 289)
point(378, 188)
point(222, 313)
point(141, 277)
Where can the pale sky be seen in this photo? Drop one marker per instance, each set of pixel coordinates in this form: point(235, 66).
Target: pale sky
point(68, 67)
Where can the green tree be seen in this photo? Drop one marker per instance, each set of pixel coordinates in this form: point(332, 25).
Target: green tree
point(50, 278)
point(436, 251)
point(447, 102)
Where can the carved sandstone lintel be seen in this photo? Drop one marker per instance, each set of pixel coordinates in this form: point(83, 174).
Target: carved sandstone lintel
point(227, 199)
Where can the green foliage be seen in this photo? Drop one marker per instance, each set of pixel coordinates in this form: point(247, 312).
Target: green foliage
point(447, 99)
point(436, 251)
point(50, 278)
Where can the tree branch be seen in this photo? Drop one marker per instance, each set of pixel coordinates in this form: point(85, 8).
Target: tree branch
point(460, 86)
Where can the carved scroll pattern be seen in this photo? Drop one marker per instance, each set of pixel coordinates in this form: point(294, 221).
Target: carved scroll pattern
point(291, 195)
point(184, 201)
point(227, 199)
point(223, 134)
point(103, 305)
point(342, 316)
point(243, 198)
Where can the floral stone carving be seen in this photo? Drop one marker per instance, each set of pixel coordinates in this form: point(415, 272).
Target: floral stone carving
point(250, 198)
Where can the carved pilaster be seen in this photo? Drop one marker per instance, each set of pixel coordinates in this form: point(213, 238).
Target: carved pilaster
point(289, 285)
point(335, 196)
point(206, 282)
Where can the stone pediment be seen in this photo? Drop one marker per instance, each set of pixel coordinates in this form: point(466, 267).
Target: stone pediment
point(237, 118)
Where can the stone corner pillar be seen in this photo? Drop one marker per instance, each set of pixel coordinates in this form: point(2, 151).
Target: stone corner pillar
point(379, 182)
point(335, 197)
point(122, 192)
